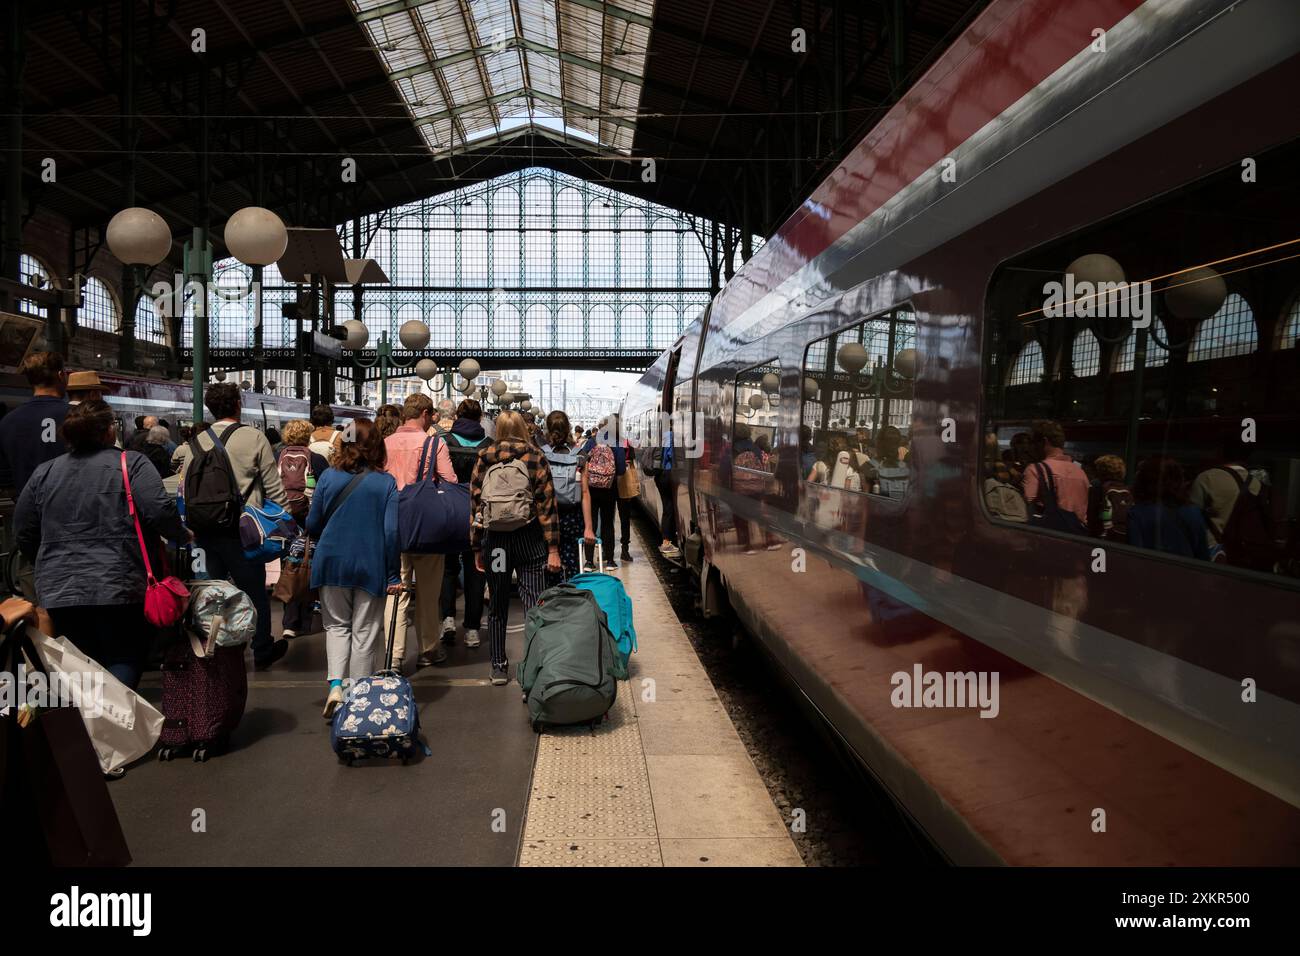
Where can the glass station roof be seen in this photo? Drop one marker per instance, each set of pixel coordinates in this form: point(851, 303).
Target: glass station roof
point(474, 72)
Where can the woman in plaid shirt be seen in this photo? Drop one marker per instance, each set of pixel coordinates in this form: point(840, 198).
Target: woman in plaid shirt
point(531, 551)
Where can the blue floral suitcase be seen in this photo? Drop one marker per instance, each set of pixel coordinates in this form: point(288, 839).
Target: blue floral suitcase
point(379, 716)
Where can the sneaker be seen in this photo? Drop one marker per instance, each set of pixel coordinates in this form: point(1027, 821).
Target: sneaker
point(626, 556)
point(666, 546)
point(449, 625)
point(611, 566)
point(500, 675)
point(588, 569)
point(434, 658)
point(333, 702)
point(775, 546)
point(672, 552)
point(471, 638)
point(288, 635)
point(278, 650)
point(750, 551)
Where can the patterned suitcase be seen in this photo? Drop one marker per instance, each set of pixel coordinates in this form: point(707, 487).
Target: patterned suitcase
point(204, 690)
point(379, 716)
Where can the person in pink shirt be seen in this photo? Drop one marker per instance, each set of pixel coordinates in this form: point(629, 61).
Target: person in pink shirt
point(1055, 476)
point(421, 573)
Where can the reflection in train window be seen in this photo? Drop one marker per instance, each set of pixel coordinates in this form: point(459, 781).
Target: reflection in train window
point(757, 412)
point(1164, 409)
point(857, 407)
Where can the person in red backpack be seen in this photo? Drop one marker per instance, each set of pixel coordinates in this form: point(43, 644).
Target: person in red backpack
point(600, 492)
point(299, 469)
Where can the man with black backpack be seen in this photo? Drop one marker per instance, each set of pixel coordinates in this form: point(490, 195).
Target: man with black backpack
point(1237, 510)
point(229, 466)
point(464, 441)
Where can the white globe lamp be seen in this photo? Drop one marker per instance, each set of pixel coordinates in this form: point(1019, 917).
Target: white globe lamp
point(852, 357)
point(1196, 294)
point(499, 387)
point(414, 335)
point(358, 334)
point(905, 363)
point(426, 368)
point(256, 236)
point(469, 370)
point(139, 237)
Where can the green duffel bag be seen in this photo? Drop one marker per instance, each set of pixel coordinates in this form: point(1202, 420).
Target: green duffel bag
point(567, 673)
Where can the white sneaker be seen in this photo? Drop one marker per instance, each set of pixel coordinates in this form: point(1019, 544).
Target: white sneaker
point(333, 702)
point(449, 625)
point(471, 638)
point(288, 635)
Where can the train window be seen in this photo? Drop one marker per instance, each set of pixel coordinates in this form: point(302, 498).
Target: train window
point(1141, 365)
point(755, 417)
point(857, 409)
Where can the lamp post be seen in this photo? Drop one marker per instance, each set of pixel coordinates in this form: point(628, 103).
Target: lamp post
point(414, 335)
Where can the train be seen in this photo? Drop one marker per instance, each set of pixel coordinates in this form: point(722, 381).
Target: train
point(1026, 695)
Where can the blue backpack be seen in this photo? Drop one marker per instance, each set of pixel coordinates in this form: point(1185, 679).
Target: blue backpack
point(613, 600)
point(564, 476)
point(265, 531)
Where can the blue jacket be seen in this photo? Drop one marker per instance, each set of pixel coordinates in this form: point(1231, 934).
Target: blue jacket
point(72, 522)
point(22, 434)
point(1178, 531)
point(358, 548)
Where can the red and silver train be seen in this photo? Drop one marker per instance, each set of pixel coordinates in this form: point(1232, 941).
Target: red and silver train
point(1146, 709)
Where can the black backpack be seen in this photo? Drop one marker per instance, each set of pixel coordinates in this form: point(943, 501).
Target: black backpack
point(1248, 540)
point(213, 503)
point(464, 456)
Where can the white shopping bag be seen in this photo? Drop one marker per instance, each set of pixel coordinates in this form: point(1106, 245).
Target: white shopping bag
point(123, 726)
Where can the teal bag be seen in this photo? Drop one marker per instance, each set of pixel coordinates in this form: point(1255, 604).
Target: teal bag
point(613, 600)
point(567, 673)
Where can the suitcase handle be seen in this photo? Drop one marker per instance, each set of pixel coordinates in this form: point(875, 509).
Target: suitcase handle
point(392, 626)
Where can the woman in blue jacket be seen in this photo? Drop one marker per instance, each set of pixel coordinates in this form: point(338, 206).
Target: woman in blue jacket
point(1160, 518)
point(353, 519)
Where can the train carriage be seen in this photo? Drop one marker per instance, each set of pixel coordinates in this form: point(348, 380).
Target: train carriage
point(1146, 708)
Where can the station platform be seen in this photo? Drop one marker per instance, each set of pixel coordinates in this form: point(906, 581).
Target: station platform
point(663, 781)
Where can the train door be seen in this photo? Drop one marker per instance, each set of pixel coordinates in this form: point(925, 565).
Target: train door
point(668, 421)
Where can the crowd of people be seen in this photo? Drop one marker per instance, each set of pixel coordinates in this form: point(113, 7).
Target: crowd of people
point(341, 487)
point(1220, 514)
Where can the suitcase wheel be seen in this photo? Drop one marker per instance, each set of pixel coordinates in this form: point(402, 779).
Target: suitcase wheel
point(166, 753)
point(200, 754)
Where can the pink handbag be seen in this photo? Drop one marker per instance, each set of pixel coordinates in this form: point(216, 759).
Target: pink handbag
point(164, 601)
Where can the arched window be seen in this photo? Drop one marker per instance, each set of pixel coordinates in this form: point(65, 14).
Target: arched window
point(1289, 337)
point(98, 308)
point(148, 323)
point(1028, 366)
point(1230, 331)
point(1085, 356)
point(1157, 354)
point(32, 273)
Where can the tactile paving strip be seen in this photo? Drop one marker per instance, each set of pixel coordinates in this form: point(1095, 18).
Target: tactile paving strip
point(590, 801)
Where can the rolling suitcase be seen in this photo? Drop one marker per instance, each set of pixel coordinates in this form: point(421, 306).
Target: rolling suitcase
point(613, 600)
point(379, 716)
point(204, 690)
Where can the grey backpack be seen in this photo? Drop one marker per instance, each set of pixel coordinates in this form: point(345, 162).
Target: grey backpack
point(506, 502)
